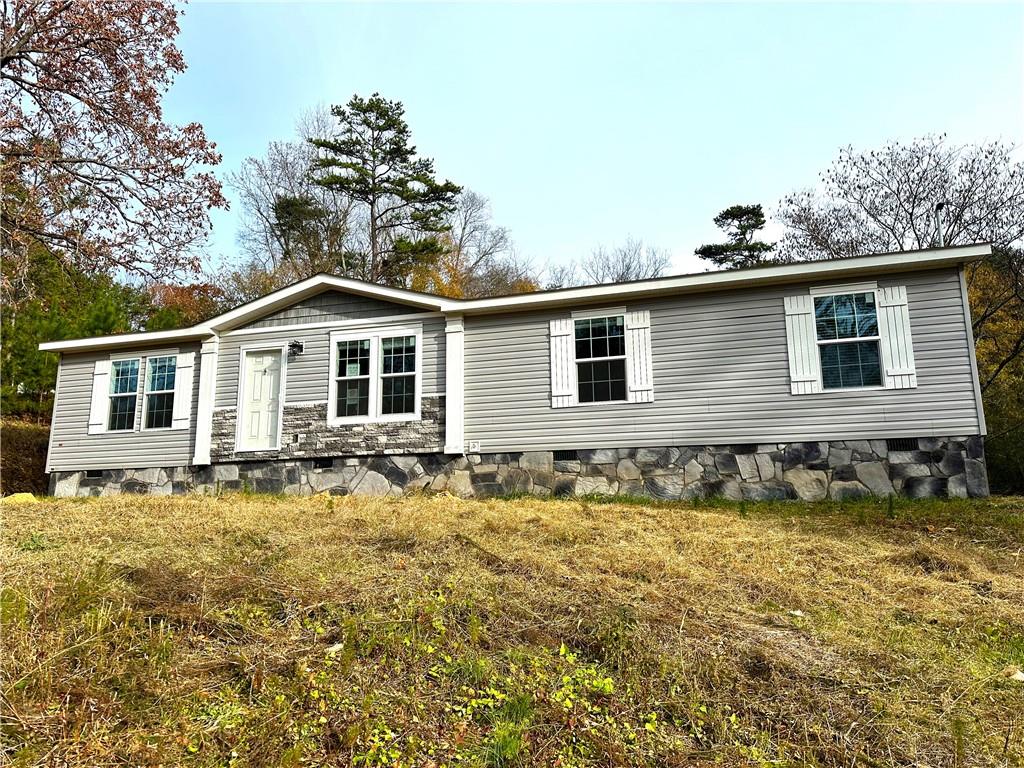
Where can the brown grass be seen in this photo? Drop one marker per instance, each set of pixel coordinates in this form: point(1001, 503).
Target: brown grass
point(433, 631)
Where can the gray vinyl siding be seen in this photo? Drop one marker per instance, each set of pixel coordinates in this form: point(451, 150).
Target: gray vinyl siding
point(721, 376)
point(331, 306)
point(306, 378)
point(73, 448)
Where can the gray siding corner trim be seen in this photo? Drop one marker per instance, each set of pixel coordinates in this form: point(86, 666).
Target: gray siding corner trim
point(721, 377)
point(73, 448)
point(969, 329)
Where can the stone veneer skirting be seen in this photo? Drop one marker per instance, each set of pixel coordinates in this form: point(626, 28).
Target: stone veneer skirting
point(305, 433)
point(953, 466)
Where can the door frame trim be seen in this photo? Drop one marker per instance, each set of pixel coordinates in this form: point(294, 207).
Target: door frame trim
point(243, 350)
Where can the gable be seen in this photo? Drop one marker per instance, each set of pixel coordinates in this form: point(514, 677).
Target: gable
point(331, 306)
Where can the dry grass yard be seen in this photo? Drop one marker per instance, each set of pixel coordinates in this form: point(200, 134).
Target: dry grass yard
point(247, 630)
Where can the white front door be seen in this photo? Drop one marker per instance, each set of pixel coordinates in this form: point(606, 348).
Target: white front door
point(261, 399)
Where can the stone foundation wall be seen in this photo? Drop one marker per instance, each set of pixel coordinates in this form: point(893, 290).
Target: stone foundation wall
point(811, 471)
point(305, 433)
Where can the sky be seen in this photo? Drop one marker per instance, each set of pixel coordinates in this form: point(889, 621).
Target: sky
point(587, 124)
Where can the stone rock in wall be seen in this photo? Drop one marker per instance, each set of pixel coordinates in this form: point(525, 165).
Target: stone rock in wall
point(135, 486)
point(809, 484)
point(769, 490)
point(977, 480)
point(875, 477)
point(956, 487)
point(566, 466)
point(925, 487)
point(627, 470)
point(844, 472)
point(797, 455)
point(910, 457)
point(845, 489)
point(692, 472)
point(952, 463)
point(747, 464)
point(765, 466)
point(839, 456)
point(586, 486)
point(664, 487)
point(975, 447)
point(725, 488)
point(904, 471)
point(536, 460)
point(517, 481)
point(727, 464)
point(631, 488)
point(602, 456)
point(565, 485)
point(652, 456)
point(372, 484)
point(66, 484)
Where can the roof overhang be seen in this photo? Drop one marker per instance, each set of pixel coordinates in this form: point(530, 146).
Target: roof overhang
point(195, 333)
point(800, 272)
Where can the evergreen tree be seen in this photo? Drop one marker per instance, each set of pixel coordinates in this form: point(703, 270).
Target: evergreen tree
point(373, 162)
point(740, 223)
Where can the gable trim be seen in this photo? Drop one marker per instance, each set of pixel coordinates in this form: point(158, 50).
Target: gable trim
point(353, 323)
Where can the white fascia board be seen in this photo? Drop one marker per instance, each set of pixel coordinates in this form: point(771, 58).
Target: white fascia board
point(739, 278)
point(317, 284)
point(126, 340)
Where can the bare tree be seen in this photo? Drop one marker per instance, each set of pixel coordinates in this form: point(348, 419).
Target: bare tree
point(478, 257)
point(289, 222)
point(884, 200)
point(629, 261)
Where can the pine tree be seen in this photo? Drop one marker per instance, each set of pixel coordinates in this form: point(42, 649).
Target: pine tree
point(740, 223)
point(373, 162)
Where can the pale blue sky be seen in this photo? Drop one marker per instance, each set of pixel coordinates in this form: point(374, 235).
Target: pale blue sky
point(584, 124)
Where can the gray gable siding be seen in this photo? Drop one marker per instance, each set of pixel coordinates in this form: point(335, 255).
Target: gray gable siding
point(73, 448)
point(331, 306)
point(721, 376)
point(307, 374)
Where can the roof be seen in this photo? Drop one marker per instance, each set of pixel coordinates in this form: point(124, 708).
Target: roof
point(775, 274)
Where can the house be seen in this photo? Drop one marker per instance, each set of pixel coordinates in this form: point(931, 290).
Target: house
point(829, 378)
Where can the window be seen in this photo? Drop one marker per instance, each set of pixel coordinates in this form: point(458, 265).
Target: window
point(376, 376)
point(601, 359)
point(353, 378)
point(159, 404)
point(398, 374)
point(124, 387)
point(848, 342)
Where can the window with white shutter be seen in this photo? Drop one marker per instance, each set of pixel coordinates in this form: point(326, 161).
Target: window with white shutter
point(601, 357)
point(854, 337)
point(158, 383)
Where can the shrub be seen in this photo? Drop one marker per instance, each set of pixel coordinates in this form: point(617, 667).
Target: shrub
point(23, 457)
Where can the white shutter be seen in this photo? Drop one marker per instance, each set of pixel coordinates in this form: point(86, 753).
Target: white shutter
point(100, 405)
point(638, 357)
point(563, 363)
point(183, 390)
point(802, 342)
point(894, 333)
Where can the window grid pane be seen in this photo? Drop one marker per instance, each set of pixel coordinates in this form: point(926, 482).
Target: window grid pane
point(600, 337)
point(159, 410)
point(353, 377)
point(601, 381)
point(398, 355)
point(124, 376)
point(848, 316)
point(856, 364)
point(398, 395)
point(161, 372)
point(122, 413)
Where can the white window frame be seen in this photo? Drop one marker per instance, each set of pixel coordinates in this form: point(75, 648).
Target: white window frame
point(146, 392)
point(848, 290)
point(598, 314)
point(374, 334)
point(139, 372)
point(243, 350)
point(138, 425)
